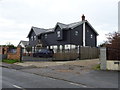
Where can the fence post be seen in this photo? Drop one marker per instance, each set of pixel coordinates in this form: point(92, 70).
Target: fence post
point(79, 52)
point(103, 61)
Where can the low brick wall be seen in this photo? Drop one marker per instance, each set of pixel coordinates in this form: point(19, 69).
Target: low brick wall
point(14, 56)
point(0, 57)
point(113, 65)
point(3, 56)
point(3, 50)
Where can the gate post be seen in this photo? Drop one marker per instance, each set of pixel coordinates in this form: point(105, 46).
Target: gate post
point(103, 61)
point(79, 52)
point(21, 53)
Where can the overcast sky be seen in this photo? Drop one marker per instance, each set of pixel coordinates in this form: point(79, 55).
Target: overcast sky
point(18, 16)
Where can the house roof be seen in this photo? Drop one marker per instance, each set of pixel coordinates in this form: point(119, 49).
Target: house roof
point(67, 26)
point(73, 25)
point(37, 30)
point(24, 42)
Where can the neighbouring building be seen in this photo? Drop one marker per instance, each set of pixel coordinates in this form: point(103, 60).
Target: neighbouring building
point(64, 36)
point(23, 44)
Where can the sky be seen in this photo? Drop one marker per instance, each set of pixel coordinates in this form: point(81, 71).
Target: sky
point(18, 16)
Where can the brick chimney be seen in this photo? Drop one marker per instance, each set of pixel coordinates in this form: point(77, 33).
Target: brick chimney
point(83, 17)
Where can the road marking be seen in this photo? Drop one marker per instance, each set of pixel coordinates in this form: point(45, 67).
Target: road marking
point(17, 86)
point(78, 84)
point(52, 78)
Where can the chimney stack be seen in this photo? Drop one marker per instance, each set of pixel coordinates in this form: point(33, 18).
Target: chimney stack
point(83, 17)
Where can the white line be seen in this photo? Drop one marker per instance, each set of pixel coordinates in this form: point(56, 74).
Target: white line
point(52, 78)
point(17, 86)
point(78, 84)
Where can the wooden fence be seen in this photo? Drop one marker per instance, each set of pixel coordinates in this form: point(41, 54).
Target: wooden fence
point(113, 53)
point(82, 53)
point(89, 52)
point(68, 54)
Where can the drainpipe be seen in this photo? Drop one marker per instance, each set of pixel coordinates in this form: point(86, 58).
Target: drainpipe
point(84, 34)
point(83, 20)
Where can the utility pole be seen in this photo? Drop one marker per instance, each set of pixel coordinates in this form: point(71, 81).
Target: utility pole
point(119, 16)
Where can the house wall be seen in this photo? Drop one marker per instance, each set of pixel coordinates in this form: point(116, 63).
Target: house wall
point(24, 48)
point(90, 40)
point(77, 39)
point(52, 38)
point(35, 42)
point(61, 34)
point(69, 37)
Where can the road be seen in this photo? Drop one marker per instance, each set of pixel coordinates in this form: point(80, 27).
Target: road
point(17, 79)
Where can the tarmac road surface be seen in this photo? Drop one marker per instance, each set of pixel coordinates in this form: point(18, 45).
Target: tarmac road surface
point(17, 79)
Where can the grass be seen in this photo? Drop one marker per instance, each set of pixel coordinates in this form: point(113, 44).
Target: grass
point(97, 67)
point(10, 61)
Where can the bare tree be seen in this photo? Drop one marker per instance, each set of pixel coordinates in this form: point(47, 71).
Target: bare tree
point(114, 40)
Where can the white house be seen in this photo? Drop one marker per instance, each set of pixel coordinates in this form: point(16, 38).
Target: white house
point(24, 44)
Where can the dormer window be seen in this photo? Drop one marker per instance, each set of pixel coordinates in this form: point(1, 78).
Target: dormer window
point(87, 30)
point(45, 35)
point(76, 33)
point(34, 37)
point(58, 33)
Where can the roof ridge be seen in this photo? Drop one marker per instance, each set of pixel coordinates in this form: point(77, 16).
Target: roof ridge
point(39, 28)
point(75, 22)
point(23, 41)
point(61, 23)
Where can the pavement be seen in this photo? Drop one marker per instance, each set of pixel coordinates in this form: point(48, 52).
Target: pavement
point(79, 72)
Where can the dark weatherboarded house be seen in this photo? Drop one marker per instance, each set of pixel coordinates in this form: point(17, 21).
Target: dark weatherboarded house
point(64, 36)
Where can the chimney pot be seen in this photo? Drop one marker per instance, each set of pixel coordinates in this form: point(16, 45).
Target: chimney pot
point(83, 17)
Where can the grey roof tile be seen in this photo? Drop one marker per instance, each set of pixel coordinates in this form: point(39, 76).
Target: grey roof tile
point(38, 31)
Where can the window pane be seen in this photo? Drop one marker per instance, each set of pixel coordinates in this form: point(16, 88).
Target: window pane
point(91, 36)
point(45, 35)
point(76, 33)
point(58, 33)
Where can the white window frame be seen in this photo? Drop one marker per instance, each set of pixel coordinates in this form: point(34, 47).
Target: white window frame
point(34, 38)
point(91, 36)
point(58, 33)
point(31, 38)
point(76, 33)
point(45, 35)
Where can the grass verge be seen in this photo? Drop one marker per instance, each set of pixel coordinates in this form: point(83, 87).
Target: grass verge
point(97, 67)
point(10, 61)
